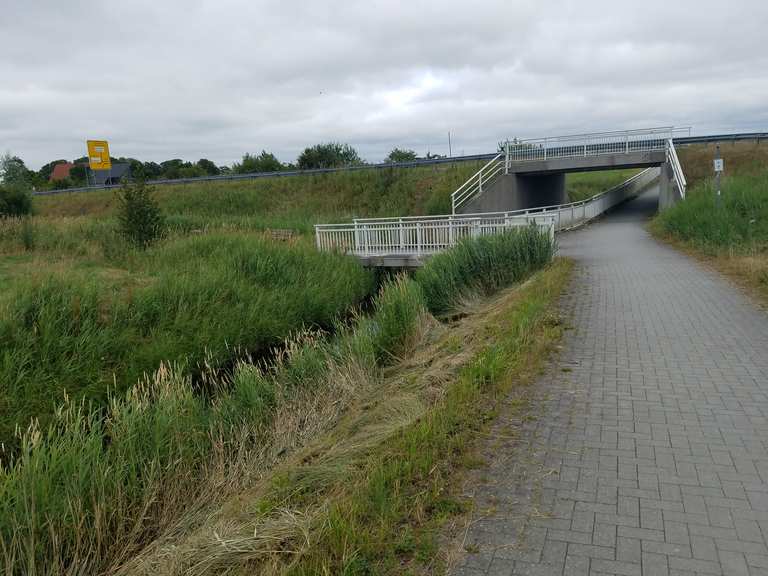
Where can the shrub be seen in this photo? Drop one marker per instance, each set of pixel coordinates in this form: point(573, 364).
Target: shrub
point(139, 215)
point(15, 200)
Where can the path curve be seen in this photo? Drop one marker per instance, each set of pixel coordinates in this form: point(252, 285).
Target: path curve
point(649, 453)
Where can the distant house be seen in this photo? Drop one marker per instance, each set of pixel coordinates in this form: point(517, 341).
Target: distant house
point(61, 171)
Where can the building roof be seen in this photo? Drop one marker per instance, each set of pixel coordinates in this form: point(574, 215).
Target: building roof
point(61, 171)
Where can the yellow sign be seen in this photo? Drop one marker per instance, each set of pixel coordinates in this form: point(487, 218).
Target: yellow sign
point(98, 155)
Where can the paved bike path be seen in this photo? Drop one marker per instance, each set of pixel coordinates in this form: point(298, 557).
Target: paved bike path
point(648, 455)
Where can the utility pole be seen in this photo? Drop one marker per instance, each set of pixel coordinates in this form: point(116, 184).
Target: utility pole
point(718, 165)
point(450, 151)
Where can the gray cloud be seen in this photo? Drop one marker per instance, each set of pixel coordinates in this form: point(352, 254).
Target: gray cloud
point(214, 79)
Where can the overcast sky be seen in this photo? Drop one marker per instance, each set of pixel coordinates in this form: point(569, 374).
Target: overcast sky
point(216, 78)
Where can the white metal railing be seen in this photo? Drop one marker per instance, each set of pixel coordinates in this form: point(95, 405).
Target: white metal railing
point(482, 178)
point(422, 235)
point(417, 237)
point(677, 169)
point(573, 146)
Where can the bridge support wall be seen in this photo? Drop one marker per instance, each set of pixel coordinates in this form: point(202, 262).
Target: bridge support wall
point(669, 195)
point(519, 191)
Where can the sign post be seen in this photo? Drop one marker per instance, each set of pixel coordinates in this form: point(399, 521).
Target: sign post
point(718, 164)
point(98, 155)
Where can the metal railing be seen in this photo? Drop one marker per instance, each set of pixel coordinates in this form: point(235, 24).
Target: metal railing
point(574, 146)
point(679, 140)
point(423, 235)
point(416, 237)
point(677, 169)
point(473, 187)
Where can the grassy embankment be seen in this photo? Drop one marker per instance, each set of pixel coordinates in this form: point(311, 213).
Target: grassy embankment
point(732, 236)
point(96, 487)
point(583, 185)
point(82, 312)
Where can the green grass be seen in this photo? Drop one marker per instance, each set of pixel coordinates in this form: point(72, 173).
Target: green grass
point(198, 302)
point(287, 202)
point(745, 157)
point(739, 223)
point(482, 265)
point(583, 185)
point(94, 486)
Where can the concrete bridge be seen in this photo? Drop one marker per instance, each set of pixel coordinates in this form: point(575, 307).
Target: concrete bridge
point(531, 173)
point(522, 185)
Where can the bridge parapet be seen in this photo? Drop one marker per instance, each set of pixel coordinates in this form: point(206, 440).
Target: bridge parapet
point(580, 151)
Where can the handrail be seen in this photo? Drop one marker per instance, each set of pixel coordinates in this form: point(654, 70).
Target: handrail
point(419, 236)
point(677, 169)
point(474, 184)
point(522, 211)
point(570, 146)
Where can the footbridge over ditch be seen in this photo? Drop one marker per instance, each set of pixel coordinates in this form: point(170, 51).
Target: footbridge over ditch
point(523, 185)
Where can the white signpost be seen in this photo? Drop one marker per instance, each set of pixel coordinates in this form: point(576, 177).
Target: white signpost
point(718, 165)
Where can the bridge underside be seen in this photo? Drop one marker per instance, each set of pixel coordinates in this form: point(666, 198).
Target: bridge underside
point(537, 183)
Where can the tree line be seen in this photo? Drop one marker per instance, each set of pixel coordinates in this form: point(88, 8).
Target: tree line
point(324, 155)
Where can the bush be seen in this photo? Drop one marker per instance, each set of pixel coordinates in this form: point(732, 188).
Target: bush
point(14, 201)
point(141, 220)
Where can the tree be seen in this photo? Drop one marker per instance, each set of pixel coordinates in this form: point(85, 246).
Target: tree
point(13, 172)
point(172, 168)
point(398, 155)
point(78, 174)
point(208, 167)
point(15, 181)
point(264, 162)
point(151, 170)
point(328, 155)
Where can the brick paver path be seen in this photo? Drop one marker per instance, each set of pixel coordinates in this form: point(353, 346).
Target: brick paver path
point(648, 455)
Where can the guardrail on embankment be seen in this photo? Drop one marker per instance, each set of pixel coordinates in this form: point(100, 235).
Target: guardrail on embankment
point(416, 163)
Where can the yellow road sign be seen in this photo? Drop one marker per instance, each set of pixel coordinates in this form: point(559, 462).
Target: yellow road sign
point(98, 155)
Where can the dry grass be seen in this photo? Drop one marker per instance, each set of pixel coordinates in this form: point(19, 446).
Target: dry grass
point(740, 158)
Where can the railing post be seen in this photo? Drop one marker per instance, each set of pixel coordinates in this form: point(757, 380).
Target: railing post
point(506, 159)
point(450, 232)
point(545, 148)
point(418, 238)
point(402, 238)
point(626, 147)
point(366, 233)
point(480, 182)
point(357, 237)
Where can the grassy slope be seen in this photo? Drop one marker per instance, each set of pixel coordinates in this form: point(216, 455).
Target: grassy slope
point(370, 495)
point(106, 476)
point(732, 237)
point(125, 311)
